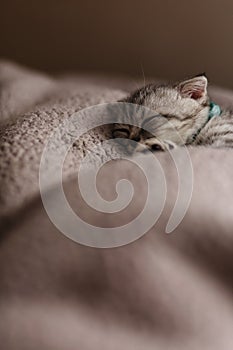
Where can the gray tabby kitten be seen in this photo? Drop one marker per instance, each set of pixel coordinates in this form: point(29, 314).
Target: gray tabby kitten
point(191, 114)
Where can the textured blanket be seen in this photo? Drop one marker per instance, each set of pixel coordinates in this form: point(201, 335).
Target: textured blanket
point(164, 291)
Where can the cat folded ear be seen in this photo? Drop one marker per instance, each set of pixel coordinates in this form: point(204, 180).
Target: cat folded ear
point(195, 88)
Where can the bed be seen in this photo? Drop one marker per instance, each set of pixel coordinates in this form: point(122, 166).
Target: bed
point(162, 291)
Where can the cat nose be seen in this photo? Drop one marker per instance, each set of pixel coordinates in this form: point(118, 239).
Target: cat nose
point(153, 145)
point(156, 147)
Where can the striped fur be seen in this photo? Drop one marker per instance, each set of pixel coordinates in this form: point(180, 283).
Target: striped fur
point(181, 117)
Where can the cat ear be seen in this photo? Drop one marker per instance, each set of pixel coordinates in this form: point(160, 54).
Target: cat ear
point(195, 88)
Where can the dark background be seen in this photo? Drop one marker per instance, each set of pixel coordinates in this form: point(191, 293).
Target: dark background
point(169, 39)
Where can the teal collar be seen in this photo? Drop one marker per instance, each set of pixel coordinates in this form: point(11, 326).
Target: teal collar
point(214, 111)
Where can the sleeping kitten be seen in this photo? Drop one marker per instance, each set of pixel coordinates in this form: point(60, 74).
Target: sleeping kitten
point(193, 119)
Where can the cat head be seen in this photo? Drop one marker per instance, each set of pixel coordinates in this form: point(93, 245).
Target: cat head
point(180, 111)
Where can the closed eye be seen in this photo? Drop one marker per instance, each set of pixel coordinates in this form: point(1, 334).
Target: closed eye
point(121, 132)
point(156, 116)
point(150, 118)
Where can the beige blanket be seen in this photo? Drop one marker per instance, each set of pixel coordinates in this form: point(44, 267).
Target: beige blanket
point(160, 292)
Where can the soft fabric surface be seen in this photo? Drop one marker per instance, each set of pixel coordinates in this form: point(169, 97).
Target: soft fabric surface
point(161, 292)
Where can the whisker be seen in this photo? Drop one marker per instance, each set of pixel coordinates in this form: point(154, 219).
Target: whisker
point(143, 74)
